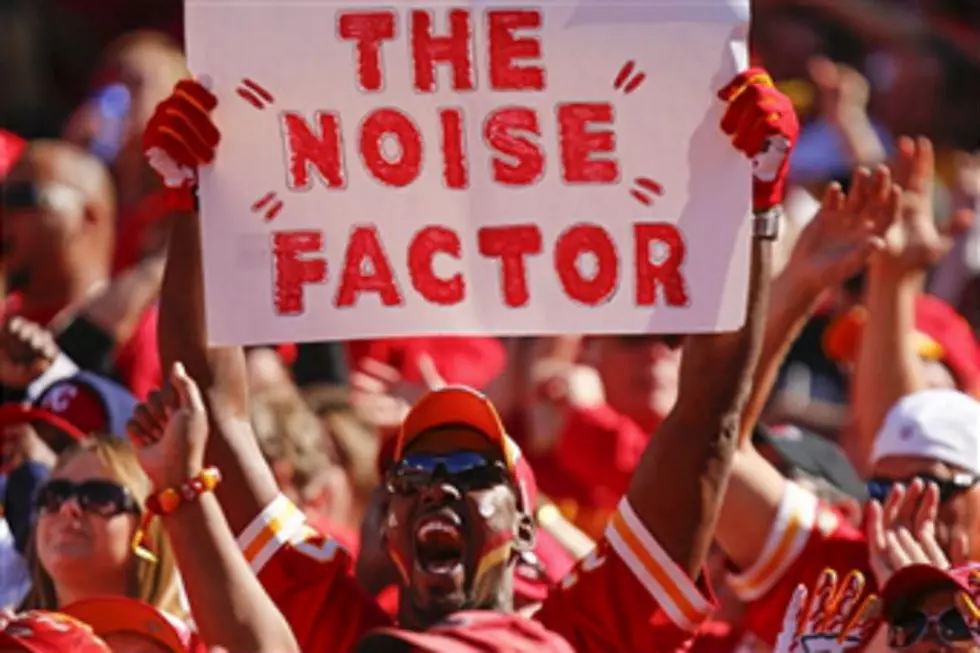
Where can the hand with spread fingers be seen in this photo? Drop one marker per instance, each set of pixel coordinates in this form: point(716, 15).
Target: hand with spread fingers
point(763, 125)
point(836, 244)
point(171, 430)
point(180, 136)
point(834, 617)
point(27, 350)
point(914, 242)
point(902, 531)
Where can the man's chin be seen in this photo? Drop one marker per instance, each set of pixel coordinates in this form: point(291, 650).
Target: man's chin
point(434, 606)
point(436, 595)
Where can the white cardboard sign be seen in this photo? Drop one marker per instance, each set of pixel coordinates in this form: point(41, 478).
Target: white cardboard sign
point(410, 167)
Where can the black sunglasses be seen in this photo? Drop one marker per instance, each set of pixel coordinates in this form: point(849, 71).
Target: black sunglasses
point(878, 488)
point(950, 628)
point(466, 470)
point(103, 498)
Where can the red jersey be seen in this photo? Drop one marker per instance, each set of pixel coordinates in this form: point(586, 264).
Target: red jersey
point(627, 595)
point(473, 631)
point(806, 538)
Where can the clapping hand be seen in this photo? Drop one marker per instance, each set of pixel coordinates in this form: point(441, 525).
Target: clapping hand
point(831, 619)
point(902, 531)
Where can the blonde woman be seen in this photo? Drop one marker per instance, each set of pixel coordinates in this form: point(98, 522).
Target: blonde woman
point(87, 514)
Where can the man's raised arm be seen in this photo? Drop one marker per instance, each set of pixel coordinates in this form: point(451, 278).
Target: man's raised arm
point(677, 488)
point(181, 130)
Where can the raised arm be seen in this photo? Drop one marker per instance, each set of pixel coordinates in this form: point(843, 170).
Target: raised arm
point(230, 607)
point(832, 247)
point(888, 366)
point(677, 488)
point(181, 136)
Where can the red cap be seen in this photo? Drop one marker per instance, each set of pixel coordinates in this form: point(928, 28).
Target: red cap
point(12, 414)
point(922, 576)
point(941, 334)
point(114, 615)
point(463, 406)
point(71, 407)
point(481, 631)
point(49, 632)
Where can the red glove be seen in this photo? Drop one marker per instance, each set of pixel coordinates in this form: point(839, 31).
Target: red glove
point(763, 125)
point(181, 136)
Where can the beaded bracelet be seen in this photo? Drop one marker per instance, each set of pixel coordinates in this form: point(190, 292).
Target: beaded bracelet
point(167, 501)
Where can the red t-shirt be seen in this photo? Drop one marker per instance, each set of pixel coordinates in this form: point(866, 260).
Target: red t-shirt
point(806, 538)
point(627, 595)
point(136, 363)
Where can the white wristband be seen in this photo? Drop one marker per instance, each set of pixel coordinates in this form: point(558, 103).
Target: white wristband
point(61, 368)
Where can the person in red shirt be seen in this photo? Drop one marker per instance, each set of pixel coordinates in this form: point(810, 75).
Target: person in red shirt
point(591, 461)
point(456, 518)
point(929, 437)
point(58, 223)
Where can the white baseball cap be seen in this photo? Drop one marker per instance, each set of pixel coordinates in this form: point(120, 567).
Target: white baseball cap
point(940, 424)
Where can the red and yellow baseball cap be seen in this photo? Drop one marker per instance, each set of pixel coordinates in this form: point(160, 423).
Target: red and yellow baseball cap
point(460, 405)
point(115, 615)
point(456, 405)
point(941, 334)
point(40, 631)
point(908, 581)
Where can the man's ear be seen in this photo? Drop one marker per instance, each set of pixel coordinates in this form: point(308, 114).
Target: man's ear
point(525, 533)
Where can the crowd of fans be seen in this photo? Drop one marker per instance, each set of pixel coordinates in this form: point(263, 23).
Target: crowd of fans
point(820, 467)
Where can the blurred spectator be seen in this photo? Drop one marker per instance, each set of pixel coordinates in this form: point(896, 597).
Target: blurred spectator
point(58, 241)
point(137, 71)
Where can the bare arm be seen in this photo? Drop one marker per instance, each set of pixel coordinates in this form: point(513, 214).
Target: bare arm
point(832, 247)
point(888, 366)
point(117, 310)
point(229, 605)
point(249, 485)
point(678, 486)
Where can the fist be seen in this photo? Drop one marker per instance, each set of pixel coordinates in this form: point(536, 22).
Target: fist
point(27, 350)
point(764, 127)
point(180, 135)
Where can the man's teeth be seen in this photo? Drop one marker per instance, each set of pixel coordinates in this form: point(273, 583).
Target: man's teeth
point(433, 527)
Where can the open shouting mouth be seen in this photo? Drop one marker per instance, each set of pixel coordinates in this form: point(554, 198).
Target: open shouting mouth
point(439, 545)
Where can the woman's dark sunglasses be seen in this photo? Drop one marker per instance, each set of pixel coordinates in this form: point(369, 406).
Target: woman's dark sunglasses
point(878, 488)
point(949, 626)
point(103, 498)
point(466, 470)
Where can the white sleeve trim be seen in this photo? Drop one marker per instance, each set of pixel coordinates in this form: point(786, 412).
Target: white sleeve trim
point(279, 523)
point(790, 531)
point(673, 590)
